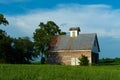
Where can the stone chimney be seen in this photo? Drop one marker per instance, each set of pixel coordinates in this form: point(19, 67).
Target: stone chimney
point(74, 31)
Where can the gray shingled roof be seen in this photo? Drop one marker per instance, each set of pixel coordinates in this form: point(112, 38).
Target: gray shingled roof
point(81, 42)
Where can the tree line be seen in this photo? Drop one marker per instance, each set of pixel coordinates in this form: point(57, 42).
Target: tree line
point(109, 61)
point(22, 50)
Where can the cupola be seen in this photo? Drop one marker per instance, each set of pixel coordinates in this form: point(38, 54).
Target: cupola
point(74, 31)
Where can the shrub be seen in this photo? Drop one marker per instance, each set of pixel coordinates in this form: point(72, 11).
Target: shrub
point(84, 61)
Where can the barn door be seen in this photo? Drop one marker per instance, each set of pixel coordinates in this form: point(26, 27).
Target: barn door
point(74, 61)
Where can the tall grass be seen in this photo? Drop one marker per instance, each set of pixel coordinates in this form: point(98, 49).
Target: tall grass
point(58, 72)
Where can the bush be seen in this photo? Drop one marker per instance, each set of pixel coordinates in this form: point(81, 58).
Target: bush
point(84, 61)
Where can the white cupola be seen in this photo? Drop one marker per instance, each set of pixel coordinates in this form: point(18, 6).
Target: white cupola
point(74, 31)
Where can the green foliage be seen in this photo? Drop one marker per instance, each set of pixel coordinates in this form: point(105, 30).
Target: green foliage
point(84, 61)
point(109, 61)
point(58, 72)
point(43, 36)
point(15, 50)
point(23, 47)
point(5, 46)
point(3, 20)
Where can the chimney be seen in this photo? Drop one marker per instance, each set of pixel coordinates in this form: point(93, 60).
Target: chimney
point(74, 31)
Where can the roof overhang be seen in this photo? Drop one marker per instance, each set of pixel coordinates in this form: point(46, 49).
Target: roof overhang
point(69, 50)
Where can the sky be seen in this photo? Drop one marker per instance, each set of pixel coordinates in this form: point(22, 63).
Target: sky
point(92, 16)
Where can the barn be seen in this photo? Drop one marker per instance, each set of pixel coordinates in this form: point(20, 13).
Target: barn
point(67, 49)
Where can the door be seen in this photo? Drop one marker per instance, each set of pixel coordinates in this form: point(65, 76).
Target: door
point(74, 61)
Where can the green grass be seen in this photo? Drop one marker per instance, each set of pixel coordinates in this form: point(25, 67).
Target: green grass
point(58, 72)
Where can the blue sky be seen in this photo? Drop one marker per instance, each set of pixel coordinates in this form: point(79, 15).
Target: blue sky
point(92, 16)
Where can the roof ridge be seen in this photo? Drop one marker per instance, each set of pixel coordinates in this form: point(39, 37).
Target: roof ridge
point(81, 42)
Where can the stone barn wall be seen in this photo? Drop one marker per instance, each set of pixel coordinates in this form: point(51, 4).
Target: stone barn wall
point(68, 57)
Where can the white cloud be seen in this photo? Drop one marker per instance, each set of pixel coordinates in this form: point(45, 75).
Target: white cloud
point(100, 19)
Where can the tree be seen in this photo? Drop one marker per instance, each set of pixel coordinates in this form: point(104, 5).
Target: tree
point(5, 46)
point(43, 35)
point(84, 61)
point(15, 50)
point(23, 50)
point(5, 41)
point(3, 20)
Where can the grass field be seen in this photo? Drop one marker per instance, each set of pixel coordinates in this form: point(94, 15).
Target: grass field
point(58, 72)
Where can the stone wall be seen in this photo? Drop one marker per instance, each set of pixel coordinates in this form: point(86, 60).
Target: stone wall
point(66, 57)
